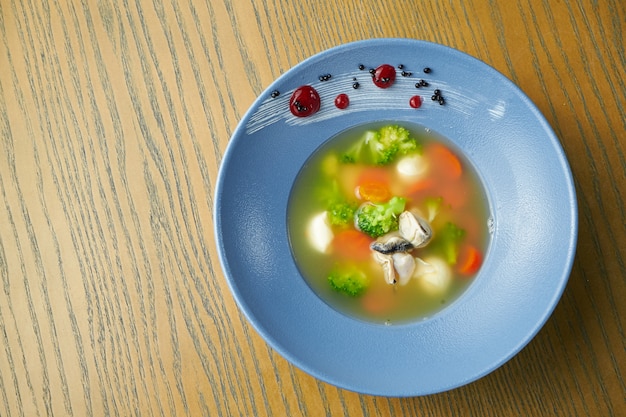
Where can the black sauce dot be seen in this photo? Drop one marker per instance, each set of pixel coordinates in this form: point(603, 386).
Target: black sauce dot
point(441, 101)
point(355, 85)
point(418, 85)
point(434, 98)
point(361, 67)
point(406, 74)
point(400, 66)
point(427, 70)
point(353, 78)
point(437, 92)
point(275, 93)
point(372, 71)
point(423, 83)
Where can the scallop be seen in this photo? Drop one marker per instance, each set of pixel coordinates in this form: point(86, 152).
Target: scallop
point(414, 229)
point(404, 264)
point(386, 262)
point(391, 243)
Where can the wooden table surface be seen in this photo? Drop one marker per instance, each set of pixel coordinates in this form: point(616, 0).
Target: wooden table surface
point(113, 120)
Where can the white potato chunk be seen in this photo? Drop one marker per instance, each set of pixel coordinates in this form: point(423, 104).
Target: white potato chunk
point(412, 166)
point(434, 274)
point(319, 232)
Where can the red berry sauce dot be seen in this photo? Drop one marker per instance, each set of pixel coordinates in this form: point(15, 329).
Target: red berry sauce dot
point(384, 76)
point(304, 101)
point(342, 101)
point(415, 102)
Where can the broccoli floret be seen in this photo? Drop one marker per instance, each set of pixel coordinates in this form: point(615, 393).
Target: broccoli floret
point(433, 206)
point(340, 209)
point(348, 280)
point(378, 219)
point(356, 152)
point(380, 152)
point(381, 147)
point(341, 213)
point(447, 241)
point(397, 141)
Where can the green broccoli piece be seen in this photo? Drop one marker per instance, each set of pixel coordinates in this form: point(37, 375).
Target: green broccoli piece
point(348, 280)
point(433, 207)
point(378, 219)
point(357, 151)
point(447, 241)
point(381, 147)
point(340, 209)
point(397, 140)
point(341, 213)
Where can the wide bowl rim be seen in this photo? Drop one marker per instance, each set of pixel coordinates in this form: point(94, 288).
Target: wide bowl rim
point(297, 360)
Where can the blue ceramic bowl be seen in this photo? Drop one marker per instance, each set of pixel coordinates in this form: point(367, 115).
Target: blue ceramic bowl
point(531, 198)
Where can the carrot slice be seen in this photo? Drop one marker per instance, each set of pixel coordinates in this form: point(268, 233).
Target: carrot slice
point(373, 174)
point(448, 163)
point(469, 261)
point(373, 185)
point(421, 185)
point(352, 244)
point(455, 192)
point(374, 191)
point(377, 302)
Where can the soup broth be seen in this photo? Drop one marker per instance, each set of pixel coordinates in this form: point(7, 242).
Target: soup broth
point(388, 222)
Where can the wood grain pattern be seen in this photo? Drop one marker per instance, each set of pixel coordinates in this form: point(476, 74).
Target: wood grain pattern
point(114, 116)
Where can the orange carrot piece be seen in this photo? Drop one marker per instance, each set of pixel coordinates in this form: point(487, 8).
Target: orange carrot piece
point(374, 191)
point(352, 244)
point(377, 302)
point(374, 174)
point(421, 185)
point(448, 162)
point(373, 185)
point(455, 193)
point(469, 261)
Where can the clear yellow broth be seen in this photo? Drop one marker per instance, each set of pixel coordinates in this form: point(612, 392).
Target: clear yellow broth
point(462, 202)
